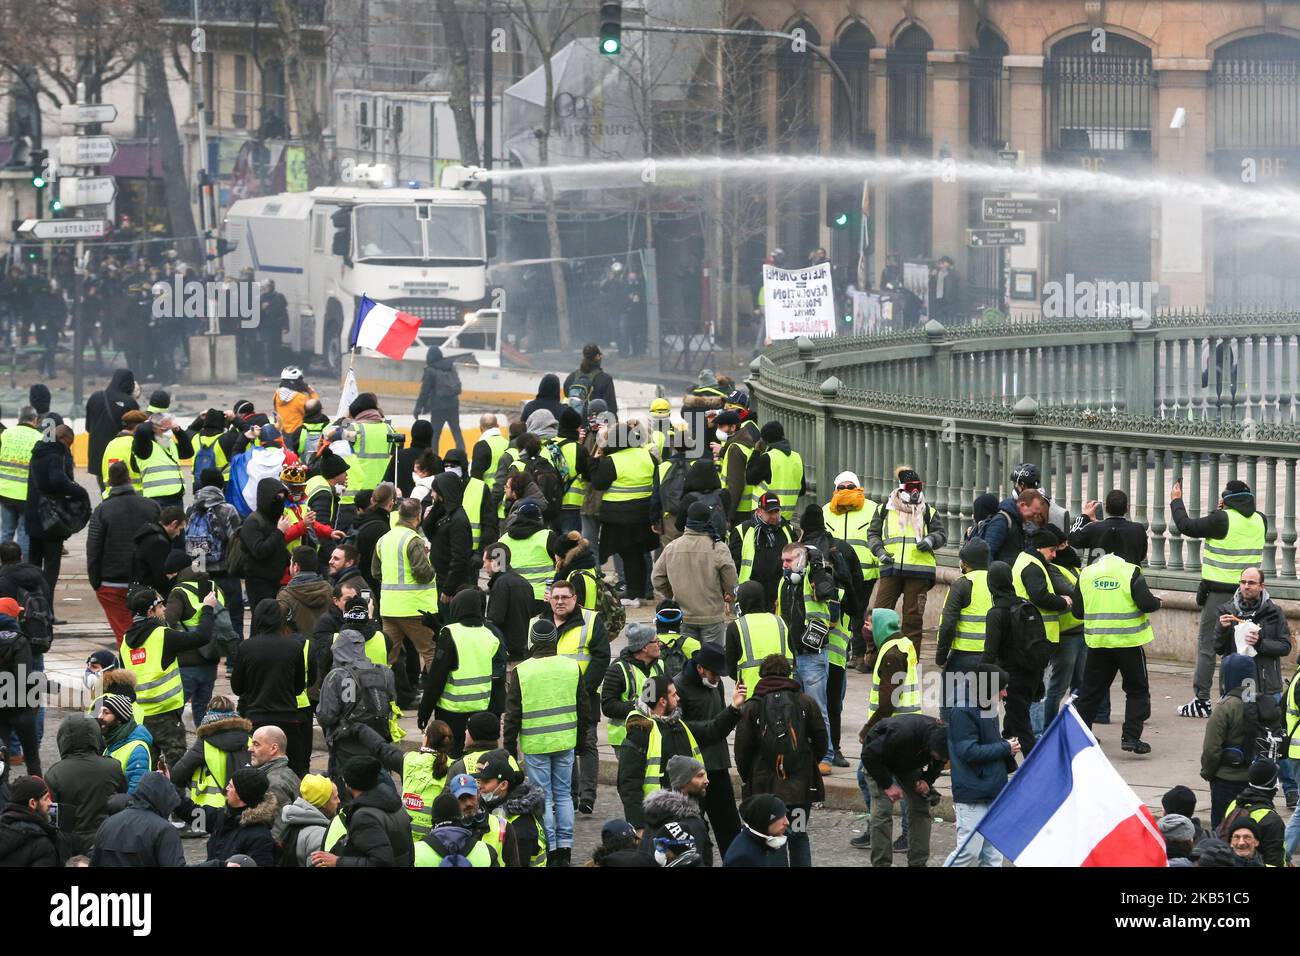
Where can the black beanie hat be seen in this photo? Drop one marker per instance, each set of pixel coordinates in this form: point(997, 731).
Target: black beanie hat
point(141, 600)
point(421, 433)
point(363, 403)
point(331, 465)
point(211, 478)
point(1235, 487)
point(484, 726)
point(445, 809)
point(570, 420)
point(1180, 800)
point(27, 788)
point(698, 511)
point(1263, 774)
point(975, 553)
point(251, 784)
point(772, 432)
point(160, 399)
point(215, 419)
point(362, 773)
point(812, 521)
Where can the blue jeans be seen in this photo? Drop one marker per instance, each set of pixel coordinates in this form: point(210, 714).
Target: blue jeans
point(569, 520)
point(591, 531)
point(1286, 767)
point(1065, 674)
point(233, 593)
point(553, 775)
point(15, 745)
point(198, 681)
point(969, 816)
point(866, 797)
point(1291, 838)
point(13, 527)
point(812, 671)
point(798, 842)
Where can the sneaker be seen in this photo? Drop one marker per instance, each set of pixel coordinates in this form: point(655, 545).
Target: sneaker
point(1135, 746)
point(629, 602)
point(840, 760)
point(587, 806)
point(1195, 708)
point(825, 768)
point(900, 845)
point(862, 841)
point(1292, 798)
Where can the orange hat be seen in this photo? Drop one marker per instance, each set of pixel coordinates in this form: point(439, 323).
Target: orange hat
point(10, 606)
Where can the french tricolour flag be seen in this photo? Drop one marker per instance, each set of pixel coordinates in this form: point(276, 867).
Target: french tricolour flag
point(1067, 806)
point(384, 329)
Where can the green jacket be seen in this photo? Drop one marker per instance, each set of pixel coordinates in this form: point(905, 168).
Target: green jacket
point(1226, 728)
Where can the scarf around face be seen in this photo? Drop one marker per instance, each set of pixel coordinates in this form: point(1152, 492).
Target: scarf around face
point(913, 513)
point(847, 500)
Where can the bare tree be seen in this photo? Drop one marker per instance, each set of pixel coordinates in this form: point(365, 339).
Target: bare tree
point(547, 22)
point(310, 128)
point(176, 192)
point(458, 84)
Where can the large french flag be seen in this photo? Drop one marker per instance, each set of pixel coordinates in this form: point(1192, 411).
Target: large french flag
point(1067, 806)
point(383, 328)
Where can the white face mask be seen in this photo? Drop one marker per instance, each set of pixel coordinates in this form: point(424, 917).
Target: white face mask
point(775, 842)
point(90, 678)
point(661, 858)
point(455, 470)
point(710, 684)
point(722, 436)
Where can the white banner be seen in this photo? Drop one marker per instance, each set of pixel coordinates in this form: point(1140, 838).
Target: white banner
point(798, 302)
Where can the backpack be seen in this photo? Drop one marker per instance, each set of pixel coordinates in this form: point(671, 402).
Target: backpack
point(199, 537)
point(11, 651)
point(540, 470)
point(673, 486)
point(235, 555)
point(608, 606)
point(205, 457)
point(446, 383)
point(981, 530)
point(1029, 637)
point(371, 705)
point(36, 620)
point(579, 392)
point(782, 729)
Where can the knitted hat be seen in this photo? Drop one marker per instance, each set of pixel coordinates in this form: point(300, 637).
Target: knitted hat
point(316, 789)
point(845, 477)
point(638, 636)
point(975, 554)
point(698, 511)
point(1243, 822)
point(118, 706)
point(331, 465)
point(483, 727)
point(1179, 800)
point(211, 478)
point(772, 432)
point(542, 631)
point(1175, 826)
point(682, 770)
point(27, 788)
point(241, 860)
point(1263, 774)
point(251, 784)
point(668, 617)
point(159, 401)
point(362, 773)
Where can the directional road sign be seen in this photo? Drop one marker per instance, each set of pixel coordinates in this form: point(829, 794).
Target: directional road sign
point(87, 190)
point(83, 114)
point(63, 228)
point(86, 150)
point(979, 238)
point(1021, 210)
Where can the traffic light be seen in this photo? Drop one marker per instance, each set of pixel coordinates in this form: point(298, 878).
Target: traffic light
point(611, 28)
point(842, 204)
point(38, 167)
point(56, 204)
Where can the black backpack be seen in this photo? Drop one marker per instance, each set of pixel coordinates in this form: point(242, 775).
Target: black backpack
point(981, 530)
point(782, 729)
point(673, 486)
point(371, 705)
point(12, 654)
point(543, 472)
point(1032, 650)
point(579, 392)
point(36, 620)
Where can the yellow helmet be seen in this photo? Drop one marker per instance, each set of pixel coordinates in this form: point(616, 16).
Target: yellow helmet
point(294, 474)
point(660, 408)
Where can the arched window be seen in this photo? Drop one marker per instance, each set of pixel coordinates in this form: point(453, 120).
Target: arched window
point(796, 92)
point(1255, 88)
point(852, 54)
point(906, 67)
point(986, 89)
point(1100, 100)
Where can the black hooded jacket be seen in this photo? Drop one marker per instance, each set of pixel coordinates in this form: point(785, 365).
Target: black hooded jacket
point(450, 538)
point(440, 386)
point(266, 556)
point(83, 779)
point(510, 610)
point(269, 671)
point(702, 481)
point(141, 835)
point(466, 609)
point(998, 641)
point(50, 475)
point(379, 830)
point(27, 839)
point(548, 397)
point(152, 546)
point(104, 411)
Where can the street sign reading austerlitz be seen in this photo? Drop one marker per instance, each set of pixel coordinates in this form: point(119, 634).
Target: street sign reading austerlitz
point(63, 228)
point(87, 190)
point(978, 238)
point(1021, 210)
point(83, 114)
point(86, 150)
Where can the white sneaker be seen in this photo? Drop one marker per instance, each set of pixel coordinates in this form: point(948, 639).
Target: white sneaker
point(1195, 708)
point(629, 602)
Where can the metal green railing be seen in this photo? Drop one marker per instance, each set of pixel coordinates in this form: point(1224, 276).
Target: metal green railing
point(963, 406)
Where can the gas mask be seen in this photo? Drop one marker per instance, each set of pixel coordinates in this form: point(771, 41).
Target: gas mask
point(90, 679)
point(798, 564)
point(722, 436)
point(911, 492)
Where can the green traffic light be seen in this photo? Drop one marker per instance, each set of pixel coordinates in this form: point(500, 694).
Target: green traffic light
point(610, 45)
point(38, 182)
point(842, 220)
point(56, 205)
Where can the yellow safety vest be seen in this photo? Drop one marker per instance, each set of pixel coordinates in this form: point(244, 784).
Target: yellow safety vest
point(837, 637)
point(908, 696)
point(748, 548)
point(1051, 619)
point(469, 686)
point(495, 837)
point(971, 618)
point(119, 449)
point(158, 690)
point(302, 700)
point(654, 755)
point(761, 635)
point(748, 492)
point(472, 502)
point(1293, 718)
point(207, 787)
point(420, 788)
point(124, 751)
point(787, 476)
point(191, 588)
point(633, 681)
point(16, 447)
point(575, 642)
point(219, 453)
point(634, 470)
point(369, 460)
point(309, 438)
point(1111, 617)
point(338, 829)
point(400, 595)
point(315, 485)
point(539, 854)
point(851, 528)
point(1066, 619)
point(548, 690)
point(160, 473)
point(376, 647)
point(479, 856)
point(529, 557)
point(900, 544)
point(577, 489)
point(497, 444)
point(1223, 559)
